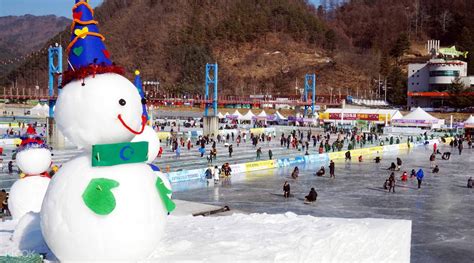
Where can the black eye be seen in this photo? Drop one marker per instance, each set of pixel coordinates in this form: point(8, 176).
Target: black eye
point(143, 101)
point(122, 102)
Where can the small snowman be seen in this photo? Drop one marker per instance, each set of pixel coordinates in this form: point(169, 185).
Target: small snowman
point(149, 135)
point(107, 204)
point(34, 159)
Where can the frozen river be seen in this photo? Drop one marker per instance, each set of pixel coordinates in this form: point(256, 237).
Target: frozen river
point(441, 211)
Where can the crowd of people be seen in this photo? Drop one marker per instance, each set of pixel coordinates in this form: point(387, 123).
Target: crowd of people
point(391, 182)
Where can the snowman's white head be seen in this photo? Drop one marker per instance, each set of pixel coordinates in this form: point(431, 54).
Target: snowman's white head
point(34, 161)
point(101, 109)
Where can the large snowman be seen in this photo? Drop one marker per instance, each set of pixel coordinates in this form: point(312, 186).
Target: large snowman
point(107, 204)
point(27, 193)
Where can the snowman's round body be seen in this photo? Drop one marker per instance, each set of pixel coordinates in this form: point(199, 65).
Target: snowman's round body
point(130, 232)
point(27, 193)
point(106, 110)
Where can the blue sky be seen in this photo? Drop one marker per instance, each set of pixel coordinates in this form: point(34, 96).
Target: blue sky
point(47, 7)
point(39, 7)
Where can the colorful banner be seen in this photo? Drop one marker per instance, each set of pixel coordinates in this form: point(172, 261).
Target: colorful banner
point(354, 116)
point(419, 122)
point(257, 131)
point(284, 162)
point(198, 174)
point(14, 141)
point(259, 165)
point(186, 175)
point(163, 135)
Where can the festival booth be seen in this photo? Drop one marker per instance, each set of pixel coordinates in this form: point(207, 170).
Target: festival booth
point(248, 117)
point(233, 118)
point(261, 118)
point(364, 119)
point(277, 119)
point(220, 116)
point(299, 120)
point(40, 111)
point(469, 127)
point(419, 118)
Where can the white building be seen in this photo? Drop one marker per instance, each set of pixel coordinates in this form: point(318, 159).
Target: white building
point(428, 82)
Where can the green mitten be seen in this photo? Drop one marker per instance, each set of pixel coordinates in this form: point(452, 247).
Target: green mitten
point(163, 191)
point(98, 196)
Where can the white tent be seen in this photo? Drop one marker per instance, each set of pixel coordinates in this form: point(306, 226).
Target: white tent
point(226, 114)
point(46, 110)
point(279, 116)
point(237, 115)
point(248, 116)
point(41, 111)
point(469, 120)
point(419, 114)
point(469, 123)
point(262, 114)
point(220, 116)
point(419, 118)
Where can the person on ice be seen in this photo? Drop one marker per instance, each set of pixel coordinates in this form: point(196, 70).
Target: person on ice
point(377, 159)
point(332, 169)
point(419, 176)
point(348, 155)
point(469, 182)
point(208, 175)
point(385, 184)
point(404, 177)
point(399, 163)
point(412, 173)
point(391, 183)
point(321, 171)
point(295, 173)
point(436, 169)
point(360, 158)
point(432, 160)
point(216, 174)
point(231, 150)
point(446, 156)
point(286, 189)
point(312, 196)
point(259, 153)
point(392, 167)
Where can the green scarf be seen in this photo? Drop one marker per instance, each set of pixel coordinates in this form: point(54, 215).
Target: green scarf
point(119, 153)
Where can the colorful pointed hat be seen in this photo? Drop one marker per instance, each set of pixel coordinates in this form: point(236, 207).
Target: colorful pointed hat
point(31, 140)
point(87, 54)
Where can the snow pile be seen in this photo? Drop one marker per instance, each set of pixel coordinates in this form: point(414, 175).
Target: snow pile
point(266, 238)
point(284, 238)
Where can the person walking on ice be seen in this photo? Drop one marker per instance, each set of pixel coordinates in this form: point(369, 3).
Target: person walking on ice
point(286, 189)
point(332, 169)
point(419, 177)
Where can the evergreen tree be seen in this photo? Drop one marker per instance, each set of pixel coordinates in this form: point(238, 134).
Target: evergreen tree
point(397, 83)
point(456, 99)
point(401, 46)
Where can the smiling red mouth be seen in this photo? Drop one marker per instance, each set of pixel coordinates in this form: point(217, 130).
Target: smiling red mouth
point(130, 129)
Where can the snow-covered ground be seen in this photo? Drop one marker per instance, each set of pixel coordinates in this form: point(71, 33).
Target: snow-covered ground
point(270, 238)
